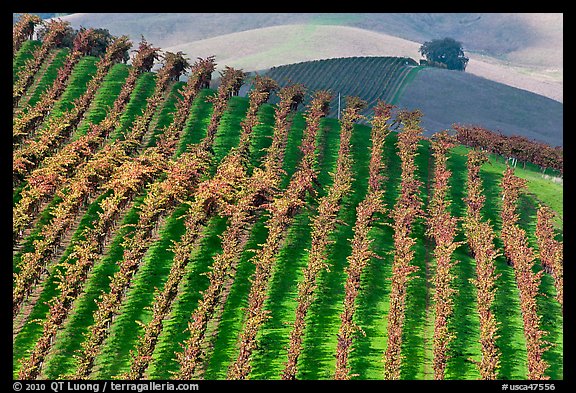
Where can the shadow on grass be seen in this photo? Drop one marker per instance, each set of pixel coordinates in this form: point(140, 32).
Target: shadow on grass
point(413, 332)
point(197, 122)
point(464, 322)
point(552, 322)
point(292, 258)
point(271, 355)
point(115, 358)
point(323, 321)
point(372, 303)
point(225, 344)
point(507, 301)
point(69, 340)
point(190, 292)
point(165, 116)
point(548, 307)
point(31, 331)
point(83, 72)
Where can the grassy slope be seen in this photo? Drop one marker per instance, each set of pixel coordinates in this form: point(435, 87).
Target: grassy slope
point(154, 269)
point(60, 362)
point(507, 308)
point(551, 313)
point(24, 53)
point(324, 314)
point(317, 360)
point(71, 337)
point(414, 337)
point(32, 330)
point(48, 76)
point(292, 258)
point(465, 321)
point(142, 90)
point(194, 281)
point(373, 299)
point(224, 345)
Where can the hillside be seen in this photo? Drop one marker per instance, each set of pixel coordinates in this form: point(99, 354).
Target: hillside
point(448, 97)
point(176, 231)
point(370, 78)
point(523, 50)
point(521, 36)
point(266, 47)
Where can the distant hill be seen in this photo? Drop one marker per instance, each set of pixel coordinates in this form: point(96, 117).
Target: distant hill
point(523, 50)
point(508, 35)
point(513, 82)
point(370, 78)
point(43, 15)
point(445, 97)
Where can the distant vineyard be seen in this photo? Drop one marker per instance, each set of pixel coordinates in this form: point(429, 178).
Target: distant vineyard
point(371, 78)
point(171, 230)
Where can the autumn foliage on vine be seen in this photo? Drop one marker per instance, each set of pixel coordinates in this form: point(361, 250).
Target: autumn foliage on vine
point(282, 210)
point(52, 175)
point(209, 195)
point(442, 227)
point(25, 77)
point(550, 250)
point(511, 188)
point(485, 283)
point(241, 216)
point(480, 238)
point(263, 86)
point(161, 198)
point(32, 116)
point(33, 263)
point(474, 198)
point(23, 30)
point(515, 146)
point(322, 226)
point(75, 194)
point(58, 128)
point(405, 211)
point(127, 181)
point(522, 257)
point(361, 243)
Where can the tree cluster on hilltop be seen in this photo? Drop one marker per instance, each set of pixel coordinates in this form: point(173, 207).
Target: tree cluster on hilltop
point(445, 53)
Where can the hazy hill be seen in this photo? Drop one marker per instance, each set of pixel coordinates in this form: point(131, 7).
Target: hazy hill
point(522, 50)
point(446, 97)
point(513, 82)
point(371, 78)
point(496, 34)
